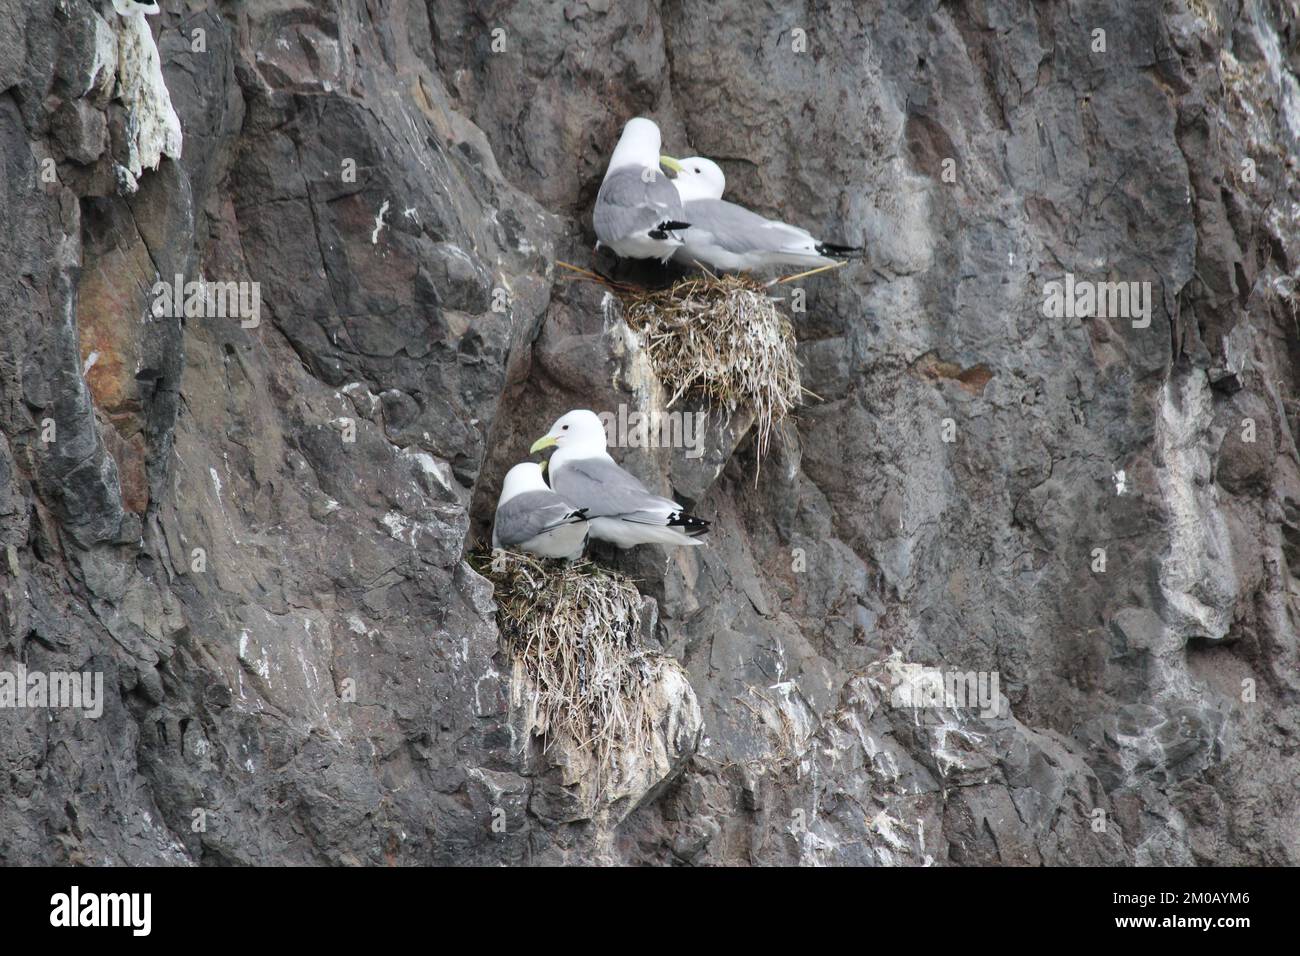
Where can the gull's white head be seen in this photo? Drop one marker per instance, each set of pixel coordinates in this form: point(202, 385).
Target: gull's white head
point(638, 146)
point(525, 476)
point(129, 8)
point(697, 178)
point(578, 433)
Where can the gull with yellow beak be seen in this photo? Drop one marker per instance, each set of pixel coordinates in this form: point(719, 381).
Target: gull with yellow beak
point(619, 508)
point(727, 237)
point(638, 213)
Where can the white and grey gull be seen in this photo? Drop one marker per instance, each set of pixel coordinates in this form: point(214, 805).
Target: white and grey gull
point(531, 517)
point(725, 236)
point(619, 508)
point(638, 213)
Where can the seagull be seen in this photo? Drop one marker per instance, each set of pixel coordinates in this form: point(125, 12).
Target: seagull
point(531, 517)
point(638, 214)
point(620, 509)
point(727, 237)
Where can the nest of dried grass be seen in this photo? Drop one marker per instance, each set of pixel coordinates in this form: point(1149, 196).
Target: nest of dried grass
point(572, 632)
point(722, 337)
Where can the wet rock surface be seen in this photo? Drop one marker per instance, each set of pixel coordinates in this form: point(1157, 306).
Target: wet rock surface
point(254, 525)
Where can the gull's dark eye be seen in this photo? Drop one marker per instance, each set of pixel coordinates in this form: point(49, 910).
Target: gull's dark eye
point(566, 428)
point(697, 169)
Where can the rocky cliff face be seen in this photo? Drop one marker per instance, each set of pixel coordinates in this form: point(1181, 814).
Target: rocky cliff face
point(254, 526)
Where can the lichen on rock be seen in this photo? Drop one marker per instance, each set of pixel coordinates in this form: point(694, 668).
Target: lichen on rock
point(153, 130)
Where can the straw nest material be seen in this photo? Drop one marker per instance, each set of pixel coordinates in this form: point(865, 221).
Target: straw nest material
point(572, 632)
point(722, 337)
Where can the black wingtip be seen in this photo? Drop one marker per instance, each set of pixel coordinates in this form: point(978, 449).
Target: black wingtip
point(832, 251)
point(691, 525)
point(665, 229)
point(579, 515)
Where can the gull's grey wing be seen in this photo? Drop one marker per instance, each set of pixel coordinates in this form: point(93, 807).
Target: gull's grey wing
point(525, 516)
point(628, 205)
point(738, 230)
point(604, 490)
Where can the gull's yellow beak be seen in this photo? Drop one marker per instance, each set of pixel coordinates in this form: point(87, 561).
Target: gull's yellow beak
point(669, 163)
point(546, 442)
point(542, 467)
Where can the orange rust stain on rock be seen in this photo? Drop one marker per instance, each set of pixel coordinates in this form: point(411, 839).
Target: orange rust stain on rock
point(972, 379)
point(111, 300)
point(132, 472)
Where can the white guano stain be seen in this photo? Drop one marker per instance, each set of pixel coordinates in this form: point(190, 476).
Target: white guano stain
point(379, 223)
